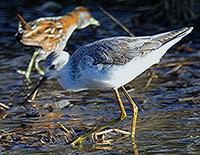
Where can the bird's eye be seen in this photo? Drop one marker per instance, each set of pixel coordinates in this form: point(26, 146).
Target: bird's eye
point(52, 67)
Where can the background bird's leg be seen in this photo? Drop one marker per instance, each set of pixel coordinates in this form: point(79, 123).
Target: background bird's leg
point(34, 95)
point(39, 70)
point(37, 67)
point(135, 113)
point(107, 124)
point(30, 66)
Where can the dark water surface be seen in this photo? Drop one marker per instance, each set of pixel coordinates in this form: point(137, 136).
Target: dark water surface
point(169, 109)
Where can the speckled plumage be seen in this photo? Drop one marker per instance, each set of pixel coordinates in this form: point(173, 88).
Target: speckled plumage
point(111, 62)
point(121, 50)
point(51, 33)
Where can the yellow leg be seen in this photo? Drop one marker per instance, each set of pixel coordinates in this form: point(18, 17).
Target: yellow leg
point(81, 138)
point(30, 66)
point(37, 67)
point(135, 113)
point(121, 106)
point(135, 148)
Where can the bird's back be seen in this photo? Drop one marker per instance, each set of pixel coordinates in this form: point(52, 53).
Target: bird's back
point(119, 60)
point(121, 50)
point(47, 32)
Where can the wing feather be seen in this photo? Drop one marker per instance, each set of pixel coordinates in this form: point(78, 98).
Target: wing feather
point(117, 50)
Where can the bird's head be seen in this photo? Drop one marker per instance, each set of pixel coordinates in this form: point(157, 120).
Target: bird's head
point(52, 66)
point(54, 63)
point(85, 18)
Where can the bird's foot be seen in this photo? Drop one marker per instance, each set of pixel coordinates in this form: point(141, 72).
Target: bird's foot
point(25, 73)
point(122, 116)
point(78, 140)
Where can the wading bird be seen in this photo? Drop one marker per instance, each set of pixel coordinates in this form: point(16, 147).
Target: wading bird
point(50, 34)
point(109, 63)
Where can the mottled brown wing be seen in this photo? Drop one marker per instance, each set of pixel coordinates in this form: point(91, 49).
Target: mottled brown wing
point(44, 33)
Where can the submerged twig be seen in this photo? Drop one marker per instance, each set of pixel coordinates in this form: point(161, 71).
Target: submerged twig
point(152, 75)
point(4, 107)
point(69, 134)
point(34, 95)
point(174, 69)
point(187, 99)
point(51, 135)
point(64, 128)
point(99, 137)
point(176, 63)
point(113, 130)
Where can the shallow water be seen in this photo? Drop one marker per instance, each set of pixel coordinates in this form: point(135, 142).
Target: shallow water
point(169, 109)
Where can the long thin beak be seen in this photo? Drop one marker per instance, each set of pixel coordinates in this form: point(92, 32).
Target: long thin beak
point(35, 89)
point(94, 22)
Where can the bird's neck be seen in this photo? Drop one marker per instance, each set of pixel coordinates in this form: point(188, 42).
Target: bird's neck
point(70, 23)
point(72, 18)
point(68, 34)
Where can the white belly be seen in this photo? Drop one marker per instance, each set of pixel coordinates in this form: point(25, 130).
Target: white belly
point(138, 65)
point(117, 75)
point(133, 69)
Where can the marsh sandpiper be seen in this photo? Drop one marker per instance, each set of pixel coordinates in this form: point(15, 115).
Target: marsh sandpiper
point(109, 63)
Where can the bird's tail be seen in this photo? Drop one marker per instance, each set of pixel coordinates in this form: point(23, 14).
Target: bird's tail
point(168, 39)
point(168, 36)
point(23, 25)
